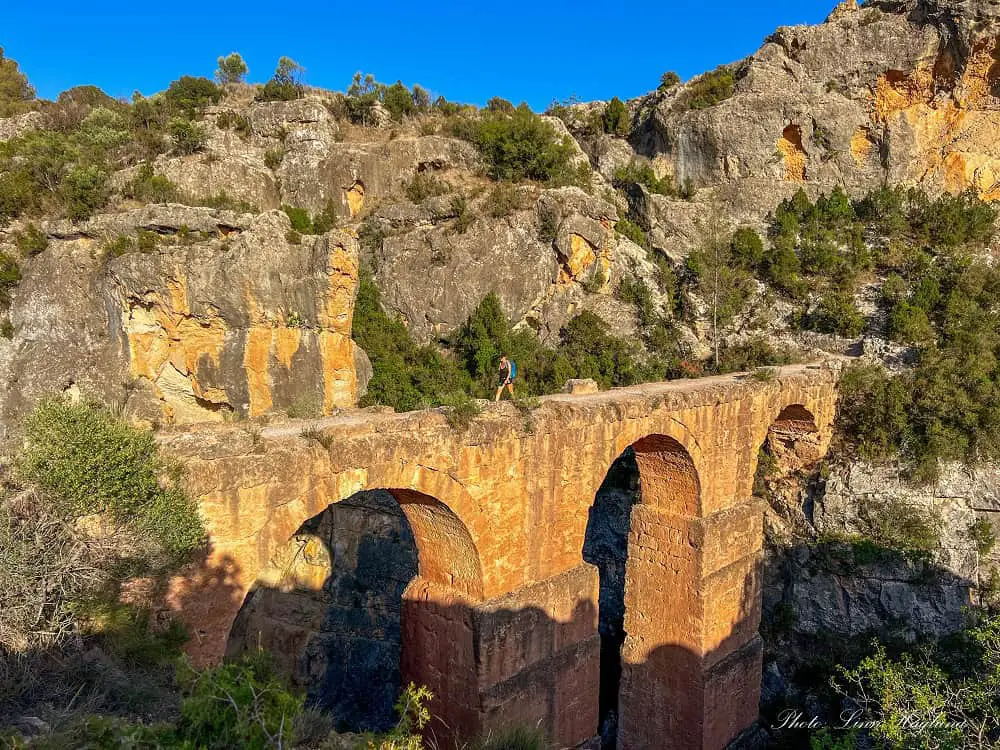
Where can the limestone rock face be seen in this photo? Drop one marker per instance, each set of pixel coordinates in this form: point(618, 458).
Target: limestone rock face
point(354, 175)
point(12, 127)
point(889, 92)
point(961, 497)
point(540, 260)
point(223, 316)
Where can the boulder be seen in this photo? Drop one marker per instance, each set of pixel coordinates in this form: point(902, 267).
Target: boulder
point(580, 386)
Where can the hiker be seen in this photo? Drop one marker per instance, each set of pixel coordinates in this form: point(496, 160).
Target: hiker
point(508, 371)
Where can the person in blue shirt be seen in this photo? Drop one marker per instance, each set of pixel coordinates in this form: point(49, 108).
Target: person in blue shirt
point(508, 371)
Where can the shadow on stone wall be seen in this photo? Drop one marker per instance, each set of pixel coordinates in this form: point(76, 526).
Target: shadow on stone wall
point(329, 607)
point(827, 602)
point(494, 665)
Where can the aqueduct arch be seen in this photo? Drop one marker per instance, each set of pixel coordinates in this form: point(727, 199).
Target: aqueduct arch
point(523, 608)
point(352, 607)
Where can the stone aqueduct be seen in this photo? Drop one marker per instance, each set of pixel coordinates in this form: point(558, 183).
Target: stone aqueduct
point(501, 620)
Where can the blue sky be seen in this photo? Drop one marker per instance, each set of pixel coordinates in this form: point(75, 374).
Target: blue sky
point(468, 51)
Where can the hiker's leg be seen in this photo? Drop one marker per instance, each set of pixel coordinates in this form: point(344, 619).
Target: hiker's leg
point(499, 391)
point(510, 387)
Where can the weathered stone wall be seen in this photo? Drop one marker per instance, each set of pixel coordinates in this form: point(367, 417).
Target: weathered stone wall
point(328, 608)
point(524, 499)
point(220, 316)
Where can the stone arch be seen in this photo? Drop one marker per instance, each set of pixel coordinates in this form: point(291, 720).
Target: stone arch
point(668, 474)
point(350, 601)
point(790, 450)
point(446, 553)
point(642, 511)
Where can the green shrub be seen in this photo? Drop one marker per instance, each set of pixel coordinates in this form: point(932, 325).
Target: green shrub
point(273, 157)
point(399, 101)
point(504, 200)
point(499, 105)
point(147, 241)
point(669, 80)
point(837, 314)
point(17, 194)
point(872, 411)
point(404, 375)
point(594, 353)
point(149, 187)
point(362, 96)
point(84, 190)
point(16, 94)
point(425, 185)
point(460, 410)
point(909, 324)
point(719, 280)
point(548, 223)
point(285, 85)
point(894, 524)
point(10, 275)
point(187, 136)
point(983, 536)
point(747, 248)
point(632, 231)
point(463, 214)
point(518, 146)
point(710, 88)
point(299, 217)
point(190, 95)
point(615, 118)
point(89, 462)
point(238, 704)
point(32, 241)
point(753, 354)
point(937, 696)
point(234, 121)
point(634, 290)
point(326, 219)
point(641, 172)
point(6, 328)
point(120, 245)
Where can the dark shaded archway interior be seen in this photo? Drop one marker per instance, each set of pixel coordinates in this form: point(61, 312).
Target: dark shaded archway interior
point(329, 609)
point(606, 546)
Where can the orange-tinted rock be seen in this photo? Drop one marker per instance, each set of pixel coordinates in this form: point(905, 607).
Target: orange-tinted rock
point(521, 501)
point(259, 324)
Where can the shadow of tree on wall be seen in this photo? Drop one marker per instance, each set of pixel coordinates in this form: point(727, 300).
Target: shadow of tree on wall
point(329, 608)
point(523, 667)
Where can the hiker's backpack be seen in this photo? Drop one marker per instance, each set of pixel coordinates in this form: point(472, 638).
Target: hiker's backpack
point(513, 369)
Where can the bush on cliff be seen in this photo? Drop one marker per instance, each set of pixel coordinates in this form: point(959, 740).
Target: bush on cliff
point(615, 117)
point(518, 146)
point(286, 83)
point(16, 94)
point(90, 507)
point(88, 462)
point(709, 89)
point(190, 95)
point(640, 172)
point(405, 376)
point(10, 275)
point(944, 695)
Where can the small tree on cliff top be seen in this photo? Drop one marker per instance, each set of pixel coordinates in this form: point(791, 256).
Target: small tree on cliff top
point(16, 94)
point(232, 69)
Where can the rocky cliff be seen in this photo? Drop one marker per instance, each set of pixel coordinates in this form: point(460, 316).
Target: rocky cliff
point(885, 93)
point(221, 316)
